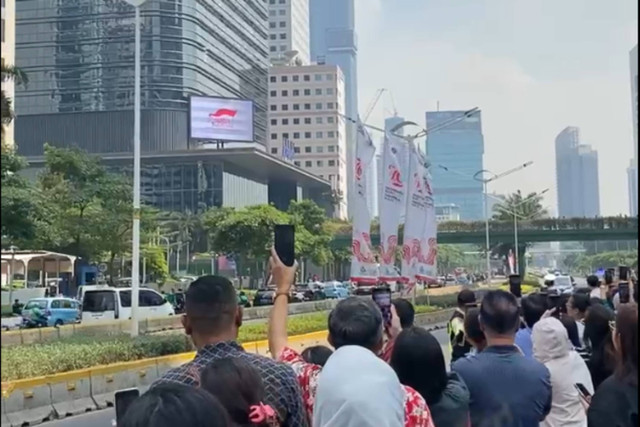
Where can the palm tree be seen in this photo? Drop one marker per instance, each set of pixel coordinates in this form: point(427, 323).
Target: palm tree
point(10, 72)
point(184, 227)
point(529, 207)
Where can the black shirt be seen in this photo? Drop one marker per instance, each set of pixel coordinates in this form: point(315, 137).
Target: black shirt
point(615, 404)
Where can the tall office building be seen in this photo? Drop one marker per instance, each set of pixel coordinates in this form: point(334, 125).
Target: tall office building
point(460, 148)
point(576, 176)
point(306, 104)
point(289, 31)
point(632, 171)
point(8, 54)
point(333, 41)
point(81, 93)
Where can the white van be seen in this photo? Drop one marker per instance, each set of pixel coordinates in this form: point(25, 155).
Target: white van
point(107, 303)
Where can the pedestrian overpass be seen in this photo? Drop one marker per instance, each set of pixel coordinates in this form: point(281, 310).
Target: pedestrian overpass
point(544, 230)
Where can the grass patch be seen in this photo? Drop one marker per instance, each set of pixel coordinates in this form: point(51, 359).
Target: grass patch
point(81, 352)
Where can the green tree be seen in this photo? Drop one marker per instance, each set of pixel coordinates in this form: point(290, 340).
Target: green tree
point(9, 73)
point(188, 229)
point(88, 210)
point(247, 233)
point(156, 263)
point(20, 201)
point(449, 257)
point(312, 237)
point(529, 207)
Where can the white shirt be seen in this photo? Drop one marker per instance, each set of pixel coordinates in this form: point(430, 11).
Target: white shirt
point(595, 293)
point(580, 326)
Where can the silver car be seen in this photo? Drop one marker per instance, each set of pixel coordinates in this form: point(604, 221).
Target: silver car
point(562, 285)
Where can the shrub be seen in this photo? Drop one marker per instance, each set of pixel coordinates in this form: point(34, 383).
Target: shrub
point(87, 351)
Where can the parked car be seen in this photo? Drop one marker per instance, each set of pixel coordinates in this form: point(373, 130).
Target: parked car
point(311, 291)
point(364, 289)
point(53, 312)
point(335, 290)
point(108, 303)
point(264, 297)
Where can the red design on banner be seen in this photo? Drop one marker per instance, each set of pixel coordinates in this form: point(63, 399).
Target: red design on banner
point(389, 255)
point(433, 252)
point(394, 176)
point(358, 169)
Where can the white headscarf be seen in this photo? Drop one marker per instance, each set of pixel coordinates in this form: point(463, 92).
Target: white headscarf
point(358, 389)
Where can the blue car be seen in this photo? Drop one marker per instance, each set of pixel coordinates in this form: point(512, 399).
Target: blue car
point(335, 290)
point(51, 311)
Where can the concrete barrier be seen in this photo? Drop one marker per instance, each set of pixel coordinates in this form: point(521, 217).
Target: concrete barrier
point(71, 394)
point(36, 400)
point(29, 402)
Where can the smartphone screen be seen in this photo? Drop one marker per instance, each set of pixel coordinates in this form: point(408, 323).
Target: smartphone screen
point(382, 297)
point(623, 273)
point(124, 399)
point(624, 292)
point(285, 244)
point(609, 275)
point(582, 390)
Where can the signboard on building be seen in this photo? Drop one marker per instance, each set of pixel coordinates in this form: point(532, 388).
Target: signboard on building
point(220, 119)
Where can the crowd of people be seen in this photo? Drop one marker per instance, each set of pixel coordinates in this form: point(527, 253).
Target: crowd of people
point(513, 363)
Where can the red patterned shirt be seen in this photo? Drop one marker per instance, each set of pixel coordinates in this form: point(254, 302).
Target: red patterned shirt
point(416, 412)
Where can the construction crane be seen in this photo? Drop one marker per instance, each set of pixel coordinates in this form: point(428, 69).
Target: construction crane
point(373, 104)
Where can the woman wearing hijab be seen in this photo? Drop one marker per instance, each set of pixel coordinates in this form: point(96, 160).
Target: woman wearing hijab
point(551, 346)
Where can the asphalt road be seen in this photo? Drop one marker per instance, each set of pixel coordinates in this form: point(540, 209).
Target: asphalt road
point(106, 418)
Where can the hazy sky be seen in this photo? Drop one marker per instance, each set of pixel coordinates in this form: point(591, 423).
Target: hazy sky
point(532, 66)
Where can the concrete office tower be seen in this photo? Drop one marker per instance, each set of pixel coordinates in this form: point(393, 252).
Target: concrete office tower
point(8, 55)
point(289, 31)
point(334, 41)
point(632, 171)
point(305, 107)
point(459, 147)
point(576, 176)
point(79, 56)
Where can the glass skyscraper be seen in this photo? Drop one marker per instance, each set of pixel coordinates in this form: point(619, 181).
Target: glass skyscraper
point(576, 176)
point(333, 41)
point(460, 148)
point(79, 58)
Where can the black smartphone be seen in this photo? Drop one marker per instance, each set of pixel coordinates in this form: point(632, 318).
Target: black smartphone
point(625, 292)
point(582, 390)
point(124, 399)
point(623, 273)
point(285, 243)
point(515, 285)
point(382, 297)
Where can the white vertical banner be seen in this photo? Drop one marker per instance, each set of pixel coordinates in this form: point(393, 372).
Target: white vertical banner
point(427, 268)
point(363, 263)
point(417, 211)
point(392, 200)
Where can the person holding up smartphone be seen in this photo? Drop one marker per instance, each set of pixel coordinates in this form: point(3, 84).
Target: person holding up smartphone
point(354, 370)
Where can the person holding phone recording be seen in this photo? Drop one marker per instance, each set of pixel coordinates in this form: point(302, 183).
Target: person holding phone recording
point(340, 393)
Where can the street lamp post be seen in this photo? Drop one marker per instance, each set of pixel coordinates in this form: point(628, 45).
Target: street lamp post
point(478, 176)
point(13, 250)
point(135, 250)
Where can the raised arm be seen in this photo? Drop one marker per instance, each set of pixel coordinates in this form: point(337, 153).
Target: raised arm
point(283, 278)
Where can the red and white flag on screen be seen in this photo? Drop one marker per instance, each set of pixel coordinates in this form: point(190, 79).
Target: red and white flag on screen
point(392, 199)
point(417, 211)
point(363, 263)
